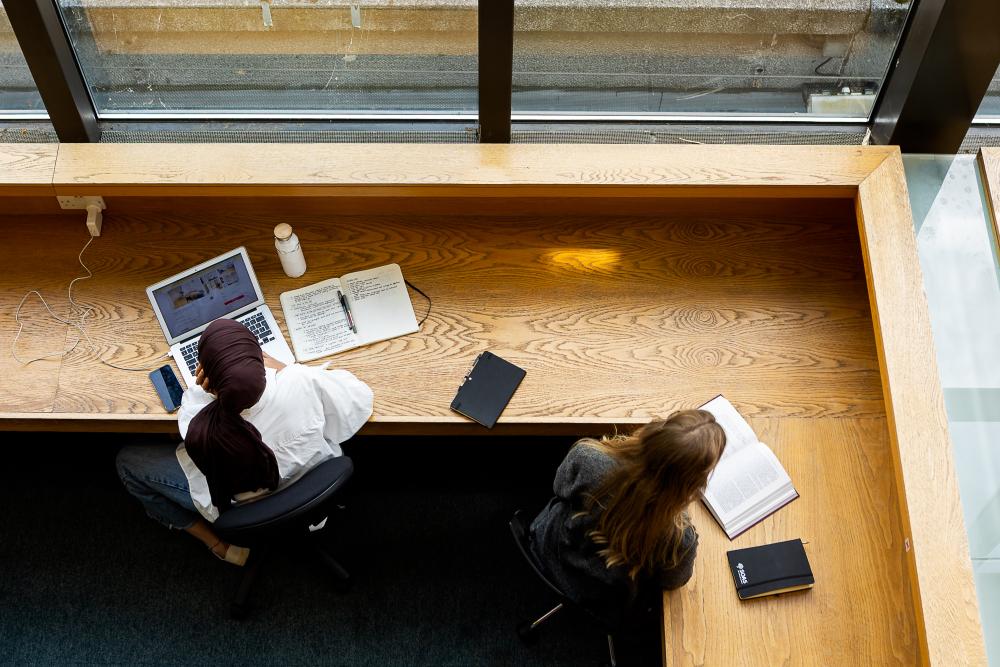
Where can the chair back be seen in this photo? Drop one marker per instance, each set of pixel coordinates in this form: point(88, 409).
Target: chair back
point(519, 529)
point(296, 501)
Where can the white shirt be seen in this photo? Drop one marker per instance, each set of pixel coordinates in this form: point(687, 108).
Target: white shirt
point(303, 415)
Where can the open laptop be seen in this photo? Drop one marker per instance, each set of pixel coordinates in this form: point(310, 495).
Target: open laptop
point(225, 286)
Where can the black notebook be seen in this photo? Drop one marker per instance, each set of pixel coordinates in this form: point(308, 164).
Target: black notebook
point(487, 389)
point(770, 569)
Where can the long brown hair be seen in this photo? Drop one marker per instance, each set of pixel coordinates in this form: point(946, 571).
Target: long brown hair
point(661, 469)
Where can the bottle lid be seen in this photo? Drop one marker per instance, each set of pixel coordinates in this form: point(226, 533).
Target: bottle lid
point(282, 231)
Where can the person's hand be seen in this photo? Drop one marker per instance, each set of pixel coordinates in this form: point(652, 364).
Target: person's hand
point(202, 379)
point(271, 362)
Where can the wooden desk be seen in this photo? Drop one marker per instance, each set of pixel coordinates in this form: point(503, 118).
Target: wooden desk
point(628, 281)
point(616, 319)
point(26, 169)
point(854, 546)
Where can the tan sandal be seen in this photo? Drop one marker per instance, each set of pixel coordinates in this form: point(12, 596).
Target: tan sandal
point(236, 555)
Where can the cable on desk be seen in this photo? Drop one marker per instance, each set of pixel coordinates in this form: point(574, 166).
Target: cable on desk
point(421, 293)
point(84, 311)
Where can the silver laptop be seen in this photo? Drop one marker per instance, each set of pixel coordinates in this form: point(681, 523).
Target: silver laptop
point(225, 286)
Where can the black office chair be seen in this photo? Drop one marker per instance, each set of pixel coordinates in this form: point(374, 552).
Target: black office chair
point(528, 631)
point(286, 516)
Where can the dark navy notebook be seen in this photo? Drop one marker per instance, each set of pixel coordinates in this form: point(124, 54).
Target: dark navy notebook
point(487, 389)
point(770, 569)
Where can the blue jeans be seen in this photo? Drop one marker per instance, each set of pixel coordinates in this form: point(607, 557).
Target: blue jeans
point(152, 474)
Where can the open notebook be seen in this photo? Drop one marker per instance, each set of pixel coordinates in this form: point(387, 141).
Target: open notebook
point(377, 298)
point(749, 483)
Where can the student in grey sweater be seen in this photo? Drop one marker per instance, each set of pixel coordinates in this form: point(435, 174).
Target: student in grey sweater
point(616, 531)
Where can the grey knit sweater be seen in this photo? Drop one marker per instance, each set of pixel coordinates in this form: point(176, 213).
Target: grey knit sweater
point(559, 540)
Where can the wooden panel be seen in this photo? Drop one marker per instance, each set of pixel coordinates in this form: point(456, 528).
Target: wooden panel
point(946, 606)
point(859, 612)
point(615, 319)
point(989, 162)
point(534, 207)
point(445, 170)
point(35, 258)
point(26, 169)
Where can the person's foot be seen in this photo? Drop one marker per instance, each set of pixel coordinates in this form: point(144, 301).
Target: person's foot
point(230, 553)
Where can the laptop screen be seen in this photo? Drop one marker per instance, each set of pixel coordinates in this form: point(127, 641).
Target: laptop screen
point(206, 295)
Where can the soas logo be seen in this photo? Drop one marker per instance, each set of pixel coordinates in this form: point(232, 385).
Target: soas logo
point(741, 573)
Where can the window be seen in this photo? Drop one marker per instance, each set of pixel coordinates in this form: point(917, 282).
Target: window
point(18, 93)
point(228, 57)
point(703, 57)
point(989, 109)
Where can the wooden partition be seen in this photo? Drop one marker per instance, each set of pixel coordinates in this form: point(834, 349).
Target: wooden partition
point(989, 162)
point(629, 281)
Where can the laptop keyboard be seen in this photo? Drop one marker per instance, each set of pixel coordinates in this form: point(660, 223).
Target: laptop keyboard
point(255, 322)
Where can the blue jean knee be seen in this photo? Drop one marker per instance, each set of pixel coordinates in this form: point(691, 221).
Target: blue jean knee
point(152, 474)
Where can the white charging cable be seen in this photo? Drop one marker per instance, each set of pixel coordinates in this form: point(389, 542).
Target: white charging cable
point(84, 311)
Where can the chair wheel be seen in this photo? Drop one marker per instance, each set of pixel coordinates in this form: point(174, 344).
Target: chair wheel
point(526, 634)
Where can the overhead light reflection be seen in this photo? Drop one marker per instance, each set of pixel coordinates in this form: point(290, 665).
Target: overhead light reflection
point(586, 259)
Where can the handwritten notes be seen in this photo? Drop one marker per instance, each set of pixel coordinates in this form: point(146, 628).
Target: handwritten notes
point(317, 321)
point(378, 301)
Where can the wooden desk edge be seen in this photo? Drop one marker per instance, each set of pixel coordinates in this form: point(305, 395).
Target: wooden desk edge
point(946, 608)
point(989, 163)
point(441, 170)
point(27, 169)
point(257, 190)
point(449, 165)
point(378, 426)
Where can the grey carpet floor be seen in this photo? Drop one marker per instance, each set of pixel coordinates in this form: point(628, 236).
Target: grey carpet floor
point(86, 578)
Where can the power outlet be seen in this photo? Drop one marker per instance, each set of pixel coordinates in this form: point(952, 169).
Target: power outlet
point(94, 206)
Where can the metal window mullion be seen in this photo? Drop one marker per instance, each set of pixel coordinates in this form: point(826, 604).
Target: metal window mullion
point(949, 53)
point(496, 69)
point(49, 54)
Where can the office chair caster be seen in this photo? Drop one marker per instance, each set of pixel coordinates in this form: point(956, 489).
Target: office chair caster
point(341, 577)
point(527, 634)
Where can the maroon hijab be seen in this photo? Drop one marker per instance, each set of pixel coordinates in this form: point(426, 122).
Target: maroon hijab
point(224, 446)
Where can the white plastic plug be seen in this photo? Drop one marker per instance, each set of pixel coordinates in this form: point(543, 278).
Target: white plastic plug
point(94, 219)
point(92, 205)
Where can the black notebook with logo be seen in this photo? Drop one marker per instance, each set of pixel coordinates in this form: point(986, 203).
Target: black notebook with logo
point(770, 569)
point(487, 389)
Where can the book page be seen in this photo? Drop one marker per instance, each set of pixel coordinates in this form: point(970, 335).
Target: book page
point(745, 482)
point(316, 321)
point(380, 303)
point(739, 435)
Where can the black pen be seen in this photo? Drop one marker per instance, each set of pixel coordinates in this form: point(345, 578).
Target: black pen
point(347, 311)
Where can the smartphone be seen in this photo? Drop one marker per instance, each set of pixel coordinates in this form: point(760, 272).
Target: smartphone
point(167, 387)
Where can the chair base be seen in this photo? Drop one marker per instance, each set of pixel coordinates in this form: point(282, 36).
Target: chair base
point(239, 608)
point(528, 633)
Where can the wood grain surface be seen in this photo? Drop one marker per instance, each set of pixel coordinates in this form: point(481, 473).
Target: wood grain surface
point(931, 511)
point(24, 255)
point(616, 320)
point(989, 162)
point(858, 612)
point(447, 170)
point(27, 169)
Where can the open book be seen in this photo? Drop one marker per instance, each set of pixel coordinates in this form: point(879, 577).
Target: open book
point(377, 300)
point(748, 484)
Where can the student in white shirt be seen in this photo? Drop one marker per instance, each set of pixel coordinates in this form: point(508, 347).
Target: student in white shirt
point(253, 424)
